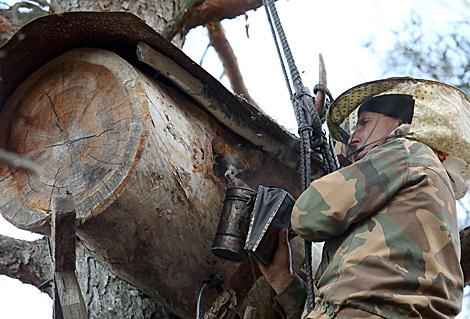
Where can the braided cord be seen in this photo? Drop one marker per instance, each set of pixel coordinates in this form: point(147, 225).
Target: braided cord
point(309, 125)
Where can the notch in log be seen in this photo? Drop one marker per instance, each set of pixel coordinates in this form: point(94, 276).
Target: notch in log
point(68, 299)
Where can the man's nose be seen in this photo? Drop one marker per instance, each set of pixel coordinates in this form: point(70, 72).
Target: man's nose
point(351, 137)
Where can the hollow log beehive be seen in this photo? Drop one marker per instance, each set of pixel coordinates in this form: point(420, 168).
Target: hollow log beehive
point(143, 159)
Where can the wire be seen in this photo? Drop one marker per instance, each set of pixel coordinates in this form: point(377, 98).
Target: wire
point(212, 281)
point(199, 298)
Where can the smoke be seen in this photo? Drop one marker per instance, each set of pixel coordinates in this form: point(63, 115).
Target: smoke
point(232, 172)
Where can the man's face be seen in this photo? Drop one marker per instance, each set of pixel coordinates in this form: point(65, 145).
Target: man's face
point(371, 130)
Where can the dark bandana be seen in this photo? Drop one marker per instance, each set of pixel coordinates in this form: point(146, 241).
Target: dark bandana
point(399, 106)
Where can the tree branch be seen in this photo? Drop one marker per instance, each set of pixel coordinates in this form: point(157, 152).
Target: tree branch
point(12, 19)
point(19, 18)
point(178, 23)
point(216, 10)
point(7, 29)
point(200, 12)
point(219, 42)
point(323, 80)
point(27, 261)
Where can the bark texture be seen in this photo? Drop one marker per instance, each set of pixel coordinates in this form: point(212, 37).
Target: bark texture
point(30, 262)
point(172, 18)
point(156, 13)
point(106, 295)
point(145, 166)
point(216, 10)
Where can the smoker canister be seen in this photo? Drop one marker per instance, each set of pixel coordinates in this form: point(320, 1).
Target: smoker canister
point(233, 225)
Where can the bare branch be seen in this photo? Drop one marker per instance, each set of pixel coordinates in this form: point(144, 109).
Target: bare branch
point(179, 21)
point(19, 18)
point(12, 19)
point(219, 42)
point(7, 29)
point(323, 80)
point(42, 3)
point(198, 12)
point(216, 10)
point(27, 261)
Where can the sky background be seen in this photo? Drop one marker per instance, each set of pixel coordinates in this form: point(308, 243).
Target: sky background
point(337, 29)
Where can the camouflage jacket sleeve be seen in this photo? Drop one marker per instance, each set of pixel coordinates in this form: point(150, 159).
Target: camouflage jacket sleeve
point(336, 201)
point(292, 299)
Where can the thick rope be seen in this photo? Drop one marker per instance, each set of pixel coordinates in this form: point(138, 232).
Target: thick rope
point(310, 131)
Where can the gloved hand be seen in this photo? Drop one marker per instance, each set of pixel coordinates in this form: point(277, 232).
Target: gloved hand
point(279, 273)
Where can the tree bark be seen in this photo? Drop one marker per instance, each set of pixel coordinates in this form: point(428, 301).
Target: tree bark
point(7, 29)
point(27, 261)
point(102, 289)
point(145, 166)
point(106, 295)
point(217, 10)
point(155, 13)
point(172, 18)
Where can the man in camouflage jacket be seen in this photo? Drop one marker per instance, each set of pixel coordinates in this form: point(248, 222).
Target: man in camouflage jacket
point(390, 229)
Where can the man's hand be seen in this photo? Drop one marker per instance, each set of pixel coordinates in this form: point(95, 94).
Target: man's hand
point(279, 273)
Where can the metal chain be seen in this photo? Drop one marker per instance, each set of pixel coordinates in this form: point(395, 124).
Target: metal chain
point(309, 125)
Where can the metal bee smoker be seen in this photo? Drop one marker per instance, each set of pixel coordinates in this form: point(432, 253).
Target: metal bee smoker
point(234, 220)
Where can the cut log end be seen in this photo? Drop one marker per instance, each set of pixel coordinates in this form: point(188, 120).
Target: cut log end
point(110, 133)
point(79, 118)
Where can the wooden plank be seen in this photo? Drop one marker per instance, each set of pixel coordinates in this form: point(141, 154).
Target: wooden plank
point(68, 299)
point(57, 309)
point(322, 79)
point(71, 299)
point(252, 128)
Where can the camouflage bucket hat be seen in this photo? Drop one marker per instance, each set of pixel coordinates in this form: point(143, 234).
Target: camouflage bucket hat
point(441, 117)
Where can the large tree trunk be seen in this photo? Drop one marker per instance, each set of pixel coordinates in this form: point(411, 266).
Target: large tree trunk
point(144, 164)
point(156, 13)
